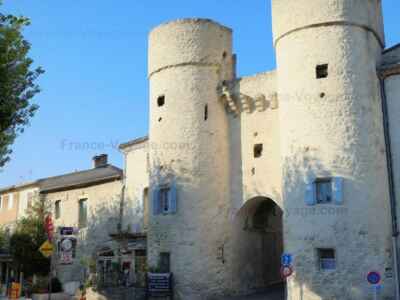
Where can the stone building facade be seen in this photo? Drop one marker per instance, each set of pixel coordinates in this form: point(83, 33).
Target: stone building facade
point(302, 159)
point(90, 202)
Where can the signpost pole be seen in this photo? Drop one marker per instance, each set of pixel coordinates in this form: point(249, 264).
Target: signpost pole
point(51, 275)
point(49, 230)
point(374, 278)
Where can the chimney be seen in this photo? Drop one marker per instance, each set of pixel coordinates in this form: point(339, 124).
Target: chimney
point(100, 161)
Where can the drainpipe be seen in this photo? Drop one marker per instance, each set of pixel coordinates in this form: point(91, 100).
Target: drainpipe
point(121, 208)
point(392, 191)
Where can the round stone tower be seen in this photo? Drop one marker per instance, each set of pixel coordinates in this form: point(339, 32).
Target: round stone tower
point(188, 61)
point(335, 189)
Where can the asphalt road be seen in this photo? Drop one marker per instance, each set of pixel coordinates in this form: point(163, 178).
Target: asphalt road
point(273, 294)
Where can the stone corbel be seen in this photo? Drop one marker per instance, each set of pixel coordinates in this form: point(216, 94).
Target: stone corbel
point(274, 103)
point(228, 99)
point(260, 102)
point(246, 102)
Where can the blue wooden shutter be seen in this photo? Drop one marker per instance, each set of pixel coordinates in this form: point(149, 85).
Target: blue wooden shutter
point(311, 193)
point(172, 197)
point(337, 190)
point(156, 200)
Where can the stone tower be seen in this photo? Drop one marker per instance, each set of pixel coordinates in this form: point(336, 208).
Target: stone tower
point(189, 152)
point(331, 127)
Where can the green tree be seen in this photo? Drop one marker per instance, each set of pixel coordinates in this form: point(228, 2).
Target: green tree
point(17, 82)
point(3, 238)
point(28, 237)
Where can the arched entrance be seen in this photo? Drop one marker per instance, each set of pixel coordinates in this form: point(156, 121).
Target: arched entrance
point(258, 245)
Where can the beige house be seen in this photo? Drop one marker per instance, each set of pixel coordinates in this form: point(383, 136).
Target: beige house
point(14, 201)
point(136, 203)
point(90, 202)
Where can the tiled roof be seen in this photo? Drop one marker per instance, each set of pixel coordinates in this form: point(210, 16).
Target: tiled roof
point(134, 142)
point(82, 178)
point(18, 186)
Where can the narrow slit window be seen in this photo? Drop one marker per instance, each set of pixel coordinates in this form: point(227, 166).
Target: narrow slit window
point(322, 71)
point(258, 149)
point(161, 100)
point(206, 112)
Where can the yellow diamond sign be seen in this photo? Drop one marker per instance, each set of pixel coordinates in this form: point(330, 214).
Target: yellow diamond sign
point(46, 249)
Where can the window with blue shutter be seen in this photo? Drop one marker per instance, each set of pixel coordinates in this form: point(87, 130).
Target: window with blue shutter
point(311, 193)
point(155, 201)
point(172, 198)
point(337, 190)
point(165, 199)
point(324, 190)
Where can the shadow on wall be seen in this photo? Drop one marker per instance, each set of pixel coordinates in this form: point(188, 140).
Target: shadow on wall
point(257, 246)
point(102, 220)
point(308, 229)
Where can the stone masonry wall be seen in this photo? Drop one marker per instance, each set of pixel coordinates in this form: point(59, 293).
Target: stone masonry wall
point(333, 127)
point(103, 215)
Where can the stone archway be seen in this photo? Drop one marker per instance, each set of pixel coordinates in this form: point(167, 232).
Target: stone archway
point(258, 245)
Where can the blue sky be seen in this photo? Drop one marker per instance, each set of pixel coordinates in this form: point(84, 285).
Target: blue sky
point(95, 87)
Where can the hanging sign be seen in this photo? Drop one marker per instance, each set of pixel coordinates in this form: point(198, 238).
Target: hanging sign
point(46, 249)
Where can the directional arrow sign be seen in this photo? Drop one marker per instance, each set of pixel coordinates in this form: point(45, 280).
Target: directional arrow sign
point(46, 249)
point(286, 259)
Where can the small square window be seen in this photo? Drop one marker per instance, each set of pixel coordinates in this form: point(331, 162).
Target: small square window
point(324, 190)
point(258, 149)
point(322, 71)
point(164, 199)
point(161, 100)
point(326, 259)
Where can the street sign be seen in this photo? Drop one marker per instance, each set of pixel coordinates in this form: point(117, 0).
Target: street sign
point(374, 277)
point(286, 271)
point(376, 287)
point(67, 230)
point(66, 258)
point(66, 247)
point(46, 249)
point(286, 259)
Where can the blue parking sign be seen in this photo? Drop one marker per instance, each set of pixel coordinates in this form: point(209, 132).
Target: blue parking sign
point(374, 277)
point(286, 259)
